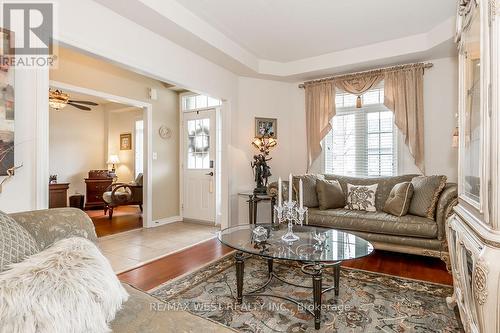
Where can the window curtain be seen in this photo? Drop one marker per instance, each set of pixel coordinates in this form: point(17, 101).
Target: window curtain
point(404, 95)
point(320, 109)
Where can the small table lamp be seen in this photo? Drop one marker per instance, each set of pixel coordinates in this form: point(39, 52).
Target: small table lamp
point(113, 159)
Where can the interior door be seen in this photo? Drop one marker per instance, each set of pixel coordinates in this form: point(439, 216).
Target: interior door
point(198, 165)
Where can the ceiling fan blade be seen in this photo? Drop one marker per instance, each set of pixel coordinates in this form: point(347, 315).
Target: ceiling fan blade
point(81, 107)
point(84, 102)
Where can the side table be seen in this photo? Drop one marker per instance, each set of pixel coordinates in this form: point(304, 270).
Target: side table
point(253, 200)
point(58, 195)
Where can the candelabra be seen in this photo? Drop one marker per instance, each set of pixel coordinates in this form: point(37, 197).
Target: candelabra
point(294, 214)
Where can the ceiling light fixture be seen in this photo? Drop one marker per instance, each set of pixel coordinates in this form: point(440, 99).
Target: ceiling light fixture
point(57, 99)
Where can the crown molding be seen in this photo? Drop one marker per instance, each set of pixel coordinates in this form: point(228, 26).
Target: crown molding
point(176, 23)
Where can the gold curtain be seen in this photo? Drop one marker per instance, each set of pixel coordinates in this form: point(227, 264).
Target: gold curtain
point(404, 95)
point(320, 109)
point(358, 84)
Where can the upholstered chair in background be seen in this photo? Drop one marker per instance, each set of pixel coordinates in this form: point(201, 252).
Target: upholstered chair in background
point(122, 194)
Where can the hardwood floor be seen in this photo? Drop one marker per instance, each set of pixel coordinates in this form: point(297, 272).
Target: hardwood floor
point(125, 218)
point(404, 265)
point(157, 272)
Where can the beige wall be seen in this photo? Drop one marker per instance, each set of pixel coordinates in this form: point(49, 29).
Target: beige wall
point(81, 70)
point(76, 145)
point(120, 122)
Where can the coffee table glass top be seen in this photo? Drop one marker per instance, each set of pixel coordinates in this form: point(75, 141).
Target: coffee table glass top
point(338, 246)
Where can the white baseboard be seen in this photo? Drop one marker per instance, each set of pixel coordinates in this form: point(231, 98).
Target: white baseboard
point(167, 220)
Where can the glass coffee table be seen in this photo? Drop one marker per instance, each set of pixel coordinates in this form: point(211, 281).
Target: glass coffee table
point(314, 258)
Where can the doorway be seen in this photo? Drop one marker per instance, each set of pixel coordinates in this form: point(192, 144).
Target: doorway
point(120, 153)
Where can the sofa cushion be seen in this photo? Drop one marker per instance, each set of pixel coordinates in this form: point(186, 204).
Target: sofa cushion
point(426, 191)
point(399, 199)
point(361, 197)
point(50, 225)
point(375, 222)
point(16, 243)
point(69, 287)
point(385, 185)
point(309, 187)
point(330, 194)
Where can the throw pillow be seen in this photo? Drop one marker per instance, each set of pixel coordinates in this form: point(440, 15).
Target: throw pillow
point(16, 243)
point(68, 287)
point(330, 194)
point(399, 199)
point(361, 197)
point(426, 191)
point(309, 188)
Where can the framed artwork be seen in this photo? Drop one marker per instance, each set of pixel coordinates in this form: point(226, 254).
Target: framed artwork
point(6, 103)
point(126, 141)
point(266, 127)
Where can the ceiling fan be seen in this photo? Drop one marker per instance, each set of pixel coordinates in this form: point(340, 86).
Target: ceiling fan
point(58, 100)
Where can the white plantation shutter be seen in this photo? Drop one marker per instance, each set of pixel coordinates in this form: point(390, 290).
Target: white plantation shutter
point(362, 142)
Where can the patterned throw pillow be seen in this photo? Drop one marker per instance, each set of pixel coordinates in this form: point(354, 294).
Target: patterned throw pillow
point(15, 242)
point(361, 197)
point(426, 191)
point(399, 199)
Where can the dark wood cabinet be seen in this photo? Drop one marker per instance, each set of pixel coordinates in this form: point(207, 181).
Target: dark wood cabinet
point(96, 184)
point(95, 189)
point(58, 195)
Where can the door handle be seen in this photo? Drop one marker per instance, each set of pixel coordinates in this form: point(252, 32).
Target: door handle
point(211, 173)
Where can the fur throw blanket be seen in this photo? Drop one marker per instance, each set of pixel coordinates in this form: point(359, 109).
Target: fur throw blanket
point(68, 288)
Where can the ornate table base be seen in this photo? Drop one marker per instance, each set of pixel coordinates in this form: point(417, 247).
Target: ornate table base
point(314, 270)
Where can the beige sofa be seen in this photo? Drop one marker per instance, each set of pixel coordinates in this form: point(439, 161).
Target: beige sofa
point(407, 234)
point(138, 313)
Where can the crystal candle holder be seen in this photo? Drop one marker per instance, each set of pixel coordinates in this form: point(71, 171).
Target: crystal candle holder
point(290, 213)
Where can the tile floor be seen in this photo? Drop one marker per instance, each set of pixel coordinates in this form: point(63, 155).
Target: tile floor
point(133, 248)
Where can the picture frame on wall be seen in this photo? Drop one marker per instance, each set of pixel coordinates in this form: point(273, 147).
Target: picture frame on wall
point(126, 141)
point(266, 127)
point(7, 106)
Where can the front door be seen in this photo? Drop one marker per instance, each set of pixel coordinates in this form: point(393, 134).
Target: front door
point(198, 165)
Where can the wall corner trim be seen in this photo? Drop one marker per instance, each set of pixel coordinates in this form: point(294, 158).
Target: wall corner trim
point(165, 220)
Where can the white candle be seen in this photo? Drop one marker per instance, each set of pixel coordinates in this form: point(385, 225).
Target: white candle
point(280, 196)
point(301, 198)
point(290, 185)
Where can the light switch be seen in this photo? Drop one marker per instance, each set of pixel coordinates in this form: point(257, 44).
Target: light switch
point(155, 155)
point(153, 94)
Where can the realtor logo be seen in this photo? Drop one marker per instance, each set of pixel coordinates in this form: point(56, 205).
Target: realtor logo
point(27, 35)
point(33, 27)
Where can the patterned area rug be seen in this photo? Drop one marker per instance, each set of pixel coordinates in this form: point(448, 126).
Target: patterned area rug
point(368, 302)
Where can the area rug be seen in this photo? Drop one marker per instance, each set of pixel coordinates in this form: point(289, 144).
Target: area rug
point(368, 302)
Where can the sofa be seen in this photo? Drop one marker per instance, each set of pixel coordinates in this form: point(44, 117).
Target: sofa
point(49, 226)
point(406, 234)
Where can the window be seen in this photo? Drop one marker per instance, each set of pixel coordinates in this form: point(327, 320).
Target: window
point(198, 152)
point(139, 147)
point(363, 141)
point(199, 102)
